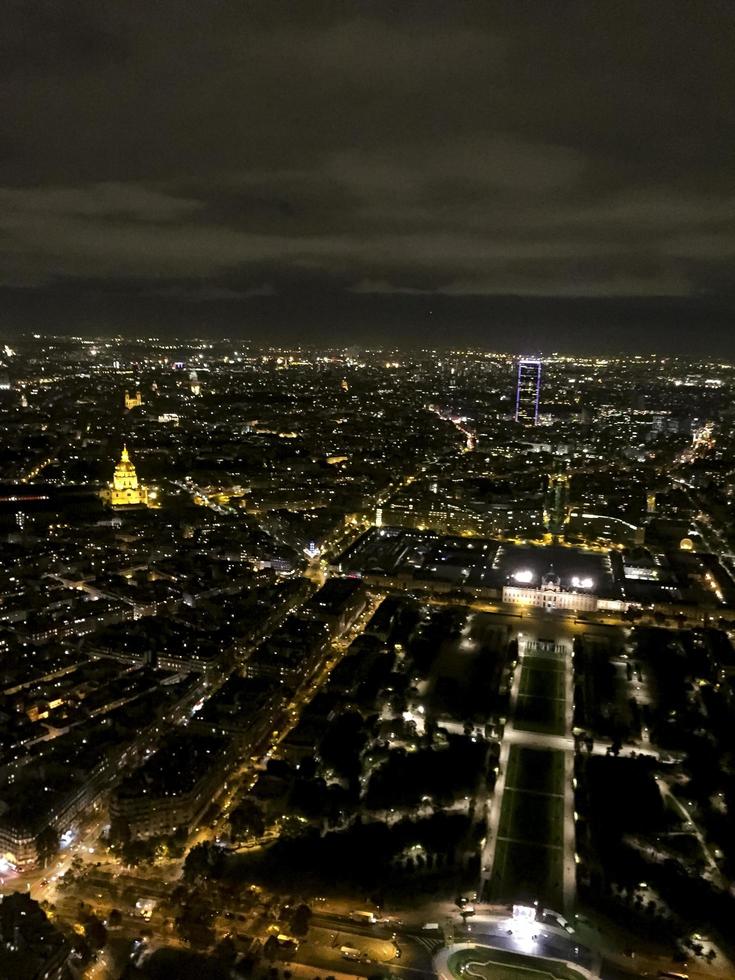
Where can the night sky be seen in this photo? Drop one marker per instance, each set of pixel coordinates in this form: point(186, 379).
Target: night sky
point(540, 175)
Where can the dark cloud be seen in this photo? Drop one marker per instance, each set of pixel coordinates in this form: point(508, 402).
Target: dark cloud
point(245, 155)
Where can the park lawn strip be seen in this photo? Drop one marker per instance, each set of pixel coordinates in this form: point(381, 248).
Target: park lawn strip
point(529, 854)
point(535, 818)
point(540, 714)
point(542, 683)
point(527, 873)
point(538, 770)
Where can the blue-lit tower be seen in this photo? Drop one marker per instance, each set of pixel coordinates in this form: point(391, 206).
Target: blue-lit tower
point(528, 391)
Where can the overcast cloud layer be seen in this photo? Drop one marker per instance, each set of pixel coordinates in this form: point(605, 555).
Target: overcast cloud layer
point(230, 164)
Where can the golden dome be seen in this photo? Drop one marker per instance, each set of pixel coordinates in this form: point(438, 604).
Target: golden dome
point(125, 491)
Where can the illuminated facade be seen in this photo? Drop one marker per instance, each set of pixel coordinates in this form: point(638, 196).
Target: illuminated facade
point(125, 490)
point(528, 390)
point(550, 598)
point(133, 401)
point(550, 595)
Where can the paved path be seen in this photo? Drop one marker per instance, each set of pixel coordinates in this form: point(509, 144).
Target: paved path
point(491, 836)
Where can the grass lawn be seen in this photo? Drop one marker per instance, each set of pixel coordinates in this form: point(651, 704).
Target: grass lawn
point(540, 715)
point(541, 705)
point(529, 855)
point(524, 873)
point(528, 862)
point(539, 770)
point(542, 682)
point(499, 964)
point(532, 817)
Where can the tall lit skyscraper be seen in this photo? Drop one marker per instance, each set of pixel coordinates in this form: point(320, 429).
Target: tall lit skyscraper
point(528, 390)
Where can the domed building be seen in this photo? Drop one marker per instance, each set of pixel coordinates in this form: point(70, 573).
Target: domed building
point(551, 582)
point(125, 490)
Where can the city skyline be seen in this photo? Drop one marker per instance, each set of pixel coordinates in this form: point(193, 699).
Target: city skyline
point(367, 490)
point(331, 659)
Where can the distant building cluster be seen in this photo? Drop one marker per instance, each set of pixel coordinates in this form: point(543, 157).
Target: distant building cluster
point(317, 599)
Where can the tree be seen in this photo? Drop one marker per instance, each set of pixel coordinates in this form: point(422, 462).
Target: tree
point(378, 900)
point(202, 861)
point(247, 965)
point(300, 920)
point(226, 952)
point(292, 827)
point(271, 948)
point(247, 820)
point(135, 852)
point(119, 830)
point(194, 922)
point(114, 919)
point(47, 845)
point(178, 895)
point(95, 932)
point(343, 743)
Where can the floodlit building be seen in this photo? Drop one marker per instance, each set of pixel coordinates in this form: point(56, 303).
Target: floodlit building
point(550, 598)
point(125, 490)
point(133, 401)
point(550, 595)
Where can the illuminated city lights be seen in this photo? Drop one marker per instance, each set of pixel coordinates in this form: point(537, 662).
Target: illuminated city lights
point(367, 491)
